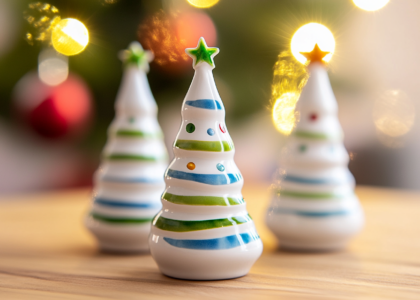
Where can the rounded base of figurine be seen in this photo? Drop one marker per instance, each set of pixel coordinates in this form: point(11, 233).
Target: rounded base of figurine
point(305, 234)
point(206, 279)
point(191, 264)
point(124, 239)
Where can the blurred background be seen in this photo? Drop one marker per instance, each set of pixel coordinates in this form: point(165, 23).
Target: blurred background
point(51, 136)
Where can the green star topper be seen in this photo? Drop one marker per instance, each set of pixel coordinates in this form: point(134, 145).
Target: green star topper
point(202, 53)
point(136, 55)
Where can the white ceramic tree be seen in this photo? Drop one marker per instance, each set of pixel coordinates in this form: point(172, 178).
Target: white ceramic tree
point(129, 181)
point(315, 207)
point(203, 231)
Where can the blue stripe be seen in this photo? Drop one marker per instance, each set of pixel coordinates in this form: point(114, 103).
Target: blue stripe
point(297, 179)
point(122, 204)
point(227, 242)
point(308, 180)
point(313, 214)
point(131, 180)
point(205, 103)
point(213, 179)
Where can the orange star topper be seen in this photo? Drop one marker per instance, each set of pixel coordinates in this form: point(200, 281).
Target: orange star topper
point(316, 55)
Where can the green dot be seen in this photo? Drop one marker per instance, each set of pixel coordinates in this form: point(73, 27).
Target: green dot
point(190, 128)
point(131, 119)
point(302, 148)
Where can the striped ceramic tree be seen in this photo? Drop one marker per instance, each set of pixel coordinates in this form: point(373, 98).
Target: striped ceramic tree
point(129, 182)
point(203, 231)
point(315, 207)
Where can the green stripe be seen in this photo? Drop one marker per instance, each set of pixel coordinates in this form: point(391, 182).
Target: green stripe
point(311, 195)
point(202, 200)
point(121, 156)
point(313, 135)
point(121, 220)
point(215, 146)
point(184, 226)
point(137, 133)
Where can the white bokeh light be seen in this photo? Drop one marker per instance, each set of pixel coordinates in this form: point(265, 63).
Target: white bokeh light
point(53, 68)
point(370, 5)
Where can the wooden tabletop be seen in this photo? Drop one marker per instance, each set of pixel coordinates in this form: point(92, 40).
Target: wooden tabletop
point(46, 253)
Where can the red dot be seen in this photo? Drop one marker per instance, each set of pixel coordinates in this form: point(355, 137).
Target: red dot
point(313, 117)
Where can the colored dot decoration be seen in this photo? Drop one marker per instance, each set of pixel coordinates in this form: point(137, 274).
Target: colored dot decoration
point(302, 148)
point(222, 128)
point(190, 128)
point(210, 131)
point(220, 167)
point(191, 166)
point(131, 120)
point(313, 117)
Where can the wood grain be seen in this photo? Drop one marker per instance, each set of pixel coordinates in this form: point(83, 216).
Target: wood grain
point(45, 253)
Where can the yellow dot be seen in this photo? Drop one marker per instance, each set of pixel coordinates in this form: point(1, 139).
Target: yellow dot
point(307, 36)
point(203, 3)
point(370, 5)
point(191, 166)
point(70, 37)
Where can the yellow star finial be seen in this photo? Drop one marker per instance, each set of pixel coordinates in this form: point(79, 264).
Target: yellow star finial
point(316, 55)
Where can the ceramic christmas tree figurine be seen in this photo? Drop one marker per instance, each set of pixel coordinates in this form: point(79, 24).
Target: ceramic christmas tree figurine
point(129, 182)
point(203, 231)
point(315, 208)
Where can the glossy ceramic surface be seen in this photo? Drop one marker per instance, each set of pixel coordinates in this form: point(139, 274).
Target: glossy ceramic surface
point(129, 181)
point(204, 231)
point(314, 208)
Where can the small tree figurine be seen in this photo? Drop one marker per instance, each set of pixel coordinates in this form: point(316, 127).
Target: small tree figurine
point(203, 231)
point(315, 208)
point(129, 182)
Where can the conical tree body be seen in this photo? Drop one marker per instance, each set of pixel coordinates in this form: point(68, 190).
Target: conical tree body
point(203, 231)
point(315, 207)
point(129, 181)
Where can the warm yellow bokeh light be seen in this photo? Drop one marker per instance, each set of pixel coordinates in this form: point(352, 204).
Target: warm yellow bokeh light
point(284, 116)
point(70, 37)
point(202, 3)
point(289, 78)
point(307, 36)
point(370, 5)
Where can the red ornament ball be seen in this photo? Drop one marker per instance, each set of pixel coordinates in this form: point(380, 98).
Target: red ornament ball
point(53, 112)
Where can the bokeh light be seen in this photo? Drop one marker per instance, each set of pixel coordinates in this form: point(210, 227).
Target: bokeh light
point(284, 116)
point(202, 3)
point(53, 68)
point(168, 34)
point(370, 5)
point(54, 111)
point(193, 25)
point(394, 113)
point(289, 78)
point(157, 34)
point(70, 37)
point(108, 2)
point(42, 19)
point(307, 36)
